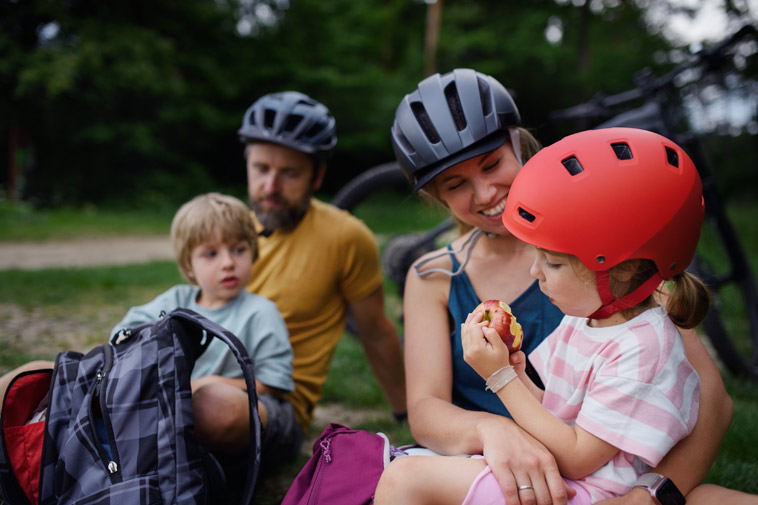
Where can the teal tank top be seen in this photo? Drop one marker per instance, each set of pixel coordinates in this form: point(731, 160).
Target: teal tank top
point(538, 318)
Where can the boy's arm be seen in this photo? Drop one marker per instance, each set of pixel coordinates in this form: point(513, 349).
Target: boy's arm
point(238, 382)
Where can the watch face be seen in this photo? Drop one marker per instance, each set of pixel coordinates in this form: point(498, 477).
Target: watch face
point(668, 494)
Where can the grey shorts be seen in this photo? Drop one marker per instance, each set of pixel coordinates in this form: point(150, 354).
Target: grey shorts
point(283, 437)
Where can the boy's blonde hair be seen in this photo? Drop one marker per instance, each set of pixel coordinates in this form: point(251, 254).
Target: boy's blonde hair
point(207, 217)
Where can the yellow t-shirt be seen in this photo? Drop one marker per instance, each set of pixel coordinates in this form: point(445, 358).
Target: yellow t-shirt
point(312, 273)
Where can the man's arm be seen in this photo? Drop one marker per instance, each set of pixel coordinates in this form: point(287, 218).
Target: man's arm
point(382, 347)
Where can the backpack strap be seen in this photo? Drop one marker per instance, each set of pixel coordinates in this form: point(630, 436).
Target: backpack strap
point(192, 320)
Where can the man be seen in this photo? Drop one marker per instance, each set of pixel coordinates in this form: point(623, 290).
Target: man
point(315, 261)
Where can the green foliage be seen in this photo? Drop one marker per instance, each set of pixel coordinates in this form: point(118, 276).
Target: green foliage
point(138, 101)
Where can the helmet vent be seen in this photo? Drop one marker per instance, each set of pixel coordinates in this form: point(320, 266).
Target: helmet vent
point(426, 124)
point(572, 165)
point(292, 121)
point(526, 215)
point(314, 130)
point(268, 118)
point(454, 104)
point(484, 94)
point(622, 151)
point(672, 157)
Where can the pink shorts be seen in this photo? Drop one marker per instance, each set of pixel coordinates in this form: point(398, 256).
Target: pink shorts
point(486, 490)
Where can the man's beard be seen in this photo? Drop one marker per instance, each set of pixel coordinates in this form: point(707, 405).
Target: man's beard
point(284, 218)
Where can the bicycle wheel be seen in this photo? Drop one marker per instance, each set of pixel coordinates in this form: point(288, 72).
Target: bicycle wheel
point(386, 175)
point(732, 322)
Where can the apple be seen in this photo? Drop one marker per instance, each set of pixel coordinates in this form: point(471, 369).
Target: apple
point(500, 318)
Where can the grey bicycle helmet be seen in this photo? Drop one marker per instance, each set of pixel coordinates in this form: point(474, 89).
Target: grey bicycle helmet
point(451, 118)
point(291, 119)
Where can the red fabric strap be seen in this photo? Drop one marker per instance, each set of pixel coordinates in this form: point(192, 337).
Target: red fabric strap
point(612, 305)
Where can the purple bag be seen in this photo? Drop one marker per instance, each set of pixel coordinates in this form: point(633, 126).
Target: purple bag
point(344, 469)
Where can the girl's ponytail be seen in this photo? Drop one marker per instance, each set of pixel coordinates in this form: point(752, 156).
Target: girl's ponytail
point(688, 301)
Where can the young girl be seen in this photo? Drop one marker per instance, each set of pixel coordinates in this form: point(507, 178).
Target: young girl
point(612, 213)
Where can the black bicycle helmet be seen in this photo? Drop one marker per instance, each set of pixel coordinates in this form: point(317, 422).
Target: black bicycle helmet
point(291, 119)
point(451, 118)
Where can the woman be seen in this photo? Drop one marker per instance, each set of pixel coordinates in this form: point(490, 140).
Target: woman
point(458, 139)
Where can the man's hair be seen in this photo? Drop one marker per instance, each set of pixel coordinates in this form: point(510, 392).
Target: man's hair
point(207, 217)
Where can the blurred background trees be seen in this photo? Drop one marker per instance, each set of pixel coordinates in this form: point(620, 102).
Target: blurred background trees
point(137, 102)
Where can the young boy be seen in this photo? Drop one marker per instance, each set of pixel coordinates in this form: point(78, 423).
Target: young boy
point(215, 244)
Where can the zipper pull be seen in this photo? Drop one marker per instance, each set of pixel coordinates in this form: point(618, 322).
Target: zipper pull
point(112, 467)
point(325, 447)
point(98, 382)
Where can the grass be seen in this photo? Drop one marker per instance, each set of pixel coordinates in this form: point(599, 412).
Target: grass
point(44, 312)
point(20, 222)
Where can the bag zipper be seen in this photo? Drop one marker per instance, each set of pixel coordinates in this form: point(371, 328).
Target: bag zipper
point(111, 464)
point(324, 459)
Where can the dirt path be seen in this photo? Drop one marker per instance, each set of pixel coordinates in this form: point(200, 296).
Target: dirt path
point(84, 252)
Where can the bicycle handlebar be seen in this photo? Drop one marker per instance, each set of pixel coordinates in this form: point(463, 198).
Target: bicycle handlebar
point(647, 85)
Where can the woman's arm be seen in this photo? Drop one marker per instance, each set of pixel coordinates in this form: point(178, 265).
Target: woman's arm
point(515, 457)
point(689, 461)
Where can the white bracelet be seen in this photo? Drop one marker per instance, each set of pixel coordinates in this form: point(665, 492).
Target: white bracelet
point(500, 378)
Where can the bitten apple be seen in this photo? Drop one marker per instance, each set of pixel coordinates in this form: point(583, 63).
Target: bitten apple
point(500, 318)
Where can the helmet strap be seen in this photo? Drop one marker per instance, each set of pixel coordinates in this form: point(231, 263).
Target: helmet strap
point(515, 136)
point(611, 304)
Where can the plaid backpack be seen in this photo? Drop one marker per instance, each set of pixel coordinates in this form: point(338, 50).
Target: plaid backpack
point(119, 423)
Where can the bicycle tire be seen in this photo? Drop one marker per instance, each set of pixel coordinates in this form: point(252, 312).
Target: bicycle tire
point(382, 176)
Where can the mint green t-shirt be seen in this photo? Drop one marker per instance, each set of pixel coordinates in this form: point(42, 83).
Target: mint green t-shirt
point(253, 319)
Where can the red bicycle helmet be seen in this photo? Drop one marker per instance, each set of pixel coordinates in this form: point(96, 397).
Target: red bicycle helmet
point(609, 195)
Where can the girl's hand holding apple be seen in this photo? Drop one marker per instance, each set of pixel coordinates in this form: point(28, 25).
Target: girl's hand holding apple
point(483, 349)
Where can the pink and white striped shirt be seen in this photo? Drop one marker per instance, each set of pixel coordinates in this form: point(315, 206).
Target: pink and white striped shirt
point(629, 385)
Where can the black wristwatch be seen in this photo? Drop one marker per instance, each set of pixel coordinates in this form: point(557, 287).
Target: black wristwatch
point(661, 488)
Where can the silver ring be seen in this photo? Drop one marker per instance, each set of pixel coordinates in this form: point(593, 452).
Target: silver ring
point(521, 488)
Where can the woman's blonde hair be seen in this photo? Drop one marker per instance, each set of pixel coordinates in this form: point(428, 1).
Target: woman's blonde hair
point(207, 217)
point(529, 146)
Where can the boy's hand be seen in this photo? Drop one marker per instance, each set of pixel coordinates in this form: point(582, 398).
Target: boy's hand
point(483, 349)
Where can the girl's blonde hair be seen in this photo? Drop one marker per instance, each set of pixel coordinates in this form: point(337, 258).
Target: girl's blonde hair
point(529, 146)
point(207, 217)
point(685, 296)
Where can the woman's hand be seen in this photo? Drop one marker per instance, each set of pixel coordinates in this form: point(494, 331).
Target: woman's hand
point(483, 349)
point(517, 459)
